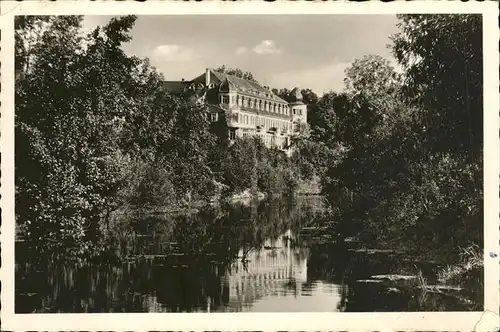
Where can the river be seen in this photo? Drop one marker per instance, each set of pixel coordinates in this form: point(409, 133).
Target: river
point(252, 257)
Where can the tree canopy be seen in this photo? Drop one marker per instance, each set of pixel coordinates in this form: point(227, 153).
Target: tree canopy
point(406, 149)
point(236, 72)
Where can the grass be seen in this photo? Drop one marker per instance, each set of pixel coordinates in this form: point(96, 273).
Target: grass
point(470, 262)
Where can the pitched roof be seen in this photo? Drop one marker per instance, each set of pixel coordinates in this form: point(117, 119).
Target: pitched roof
point(227, 85)
point(175, 85)
point(246, 86)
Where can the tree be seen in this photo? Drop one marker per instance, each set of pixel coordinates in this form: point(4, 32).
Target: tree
point(324, 118)
point(402, 174)
point(72, 105)
point(442, 57)
point(188, 151)
point(282, 93)
point(236, 72)
point(371, 76)
point(309, 97)
point(67, 169)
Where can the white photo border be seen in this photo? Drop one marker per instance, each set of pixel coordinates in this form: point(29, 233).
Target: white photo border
point(487, 320)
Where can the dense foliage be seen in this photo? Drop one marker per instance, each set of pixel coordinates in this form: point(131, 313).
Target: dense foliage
point(407, 148)
point(236, 72)
point(97, 133)
point(399, 154)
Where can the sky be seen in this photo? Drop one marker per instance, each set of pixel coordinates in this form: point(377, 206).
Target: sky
point(281, 51)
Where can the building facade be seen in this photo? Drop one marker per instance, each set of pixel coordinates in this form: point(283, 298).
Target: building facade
point(248, 109)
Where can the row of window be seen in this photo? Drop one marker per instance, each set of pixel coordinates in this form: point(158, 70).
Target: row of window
point(271, 140)
point(268, 139)
point(261, 122)
point(258, 104)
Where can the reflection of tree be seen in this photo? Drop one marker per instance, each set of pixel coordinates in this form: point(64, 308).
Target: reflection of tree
point(171, 263)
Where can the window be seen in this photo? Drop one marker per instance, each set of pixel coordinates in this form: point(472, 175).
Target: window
point(232, 134)
point(235, 117)
point(214, 117)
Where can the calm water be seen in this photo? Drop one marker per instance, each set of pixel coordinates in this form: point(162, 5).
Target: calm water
point(258, 257)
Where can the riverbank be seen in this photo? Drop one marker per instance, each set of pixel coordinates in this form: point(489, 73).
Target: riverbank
point(445, 276)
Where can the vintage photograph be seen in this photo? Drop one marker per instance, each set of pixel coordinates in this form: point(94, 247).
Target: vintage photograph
point(250, 163)
point(206, 164)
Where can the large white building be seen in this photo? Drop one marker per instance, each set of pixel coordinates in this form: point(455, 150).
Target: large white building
point(248, 108)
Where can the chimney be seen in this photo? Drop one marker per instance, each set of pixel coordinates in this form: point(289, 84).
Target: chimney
point(207, 77)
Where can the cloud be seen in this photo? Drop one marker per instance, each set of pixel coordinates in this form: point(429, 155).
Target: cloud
point(266, 47)
point(319, 79)
point(173, 53)
point(241, 50)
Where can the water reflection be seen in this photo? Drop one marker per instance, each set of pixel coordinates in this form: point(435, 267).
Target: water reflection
point(228, 259)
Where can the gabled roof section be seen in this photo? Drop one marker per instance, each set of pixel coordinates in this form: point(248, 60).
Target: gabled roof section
point(227, 85)
point(246, 86)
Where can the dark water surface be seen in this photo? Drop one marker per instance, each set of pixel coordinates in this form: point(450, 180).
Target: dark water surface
point(258, 257)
